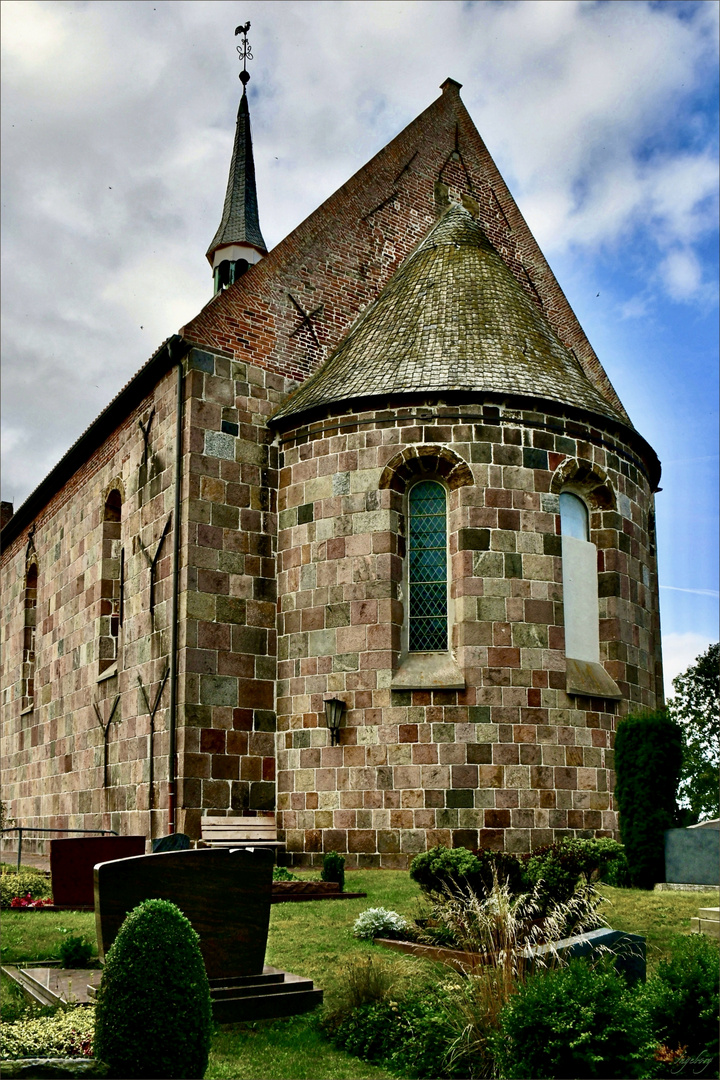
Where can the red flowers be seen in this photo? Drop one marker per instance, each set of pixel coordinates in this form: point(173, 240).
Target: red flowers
point(27, 901)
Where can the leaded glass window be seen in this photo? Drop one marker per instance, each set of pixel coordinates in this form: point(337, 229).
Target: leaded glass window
point(427, 575)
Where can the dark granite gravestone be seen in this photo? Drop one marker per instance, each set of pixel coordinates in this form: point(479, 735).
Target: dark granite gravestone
point(177, 841)
point(692, 856)
point(224, 892)
point(72, 860)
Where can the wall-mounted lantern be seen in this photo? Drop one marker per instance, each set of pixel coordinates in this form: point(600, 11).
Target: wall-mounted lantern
point(334, 709)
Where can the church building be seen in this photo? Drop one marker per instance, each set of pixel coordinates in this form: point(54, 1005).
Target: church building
point(368, 543)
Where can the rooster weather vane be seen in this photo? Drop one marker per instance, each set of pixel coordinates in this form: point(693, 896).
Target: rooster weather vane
point(244, 52)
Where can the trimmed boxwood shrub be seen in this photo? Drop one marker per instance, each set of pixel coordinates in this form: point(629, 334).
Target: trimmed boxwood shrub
point(648, 759)
point(334, 869)
point(571, 1022)
point(153, 1013)
point(683, 1003)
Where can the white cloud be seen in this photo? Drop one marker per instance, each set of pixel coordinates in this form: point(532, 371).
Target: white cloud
point(681, 273)
point(679, 652)
point(118, 121)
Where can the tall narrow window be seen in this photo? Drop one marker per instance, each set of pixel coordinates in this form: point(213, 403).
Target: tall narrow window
point(28, 669)
point(427, 577)
point(585, 673)
point(111, 591)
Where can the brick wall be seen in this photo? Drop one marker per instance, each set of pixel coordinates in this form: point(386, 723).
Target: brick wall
point(337, 261)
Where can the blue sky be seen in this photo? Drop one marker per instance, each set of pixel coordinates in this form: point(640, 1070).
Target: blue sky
point(118, 120)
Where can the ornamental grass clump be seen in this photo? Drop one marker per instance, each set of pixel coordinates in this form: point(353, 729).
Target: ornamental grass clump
point(500, 931)
point(153, 1015)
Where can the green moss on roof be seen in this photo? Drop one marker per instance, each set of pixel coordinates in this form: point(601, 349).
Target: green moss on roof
point(452, 317)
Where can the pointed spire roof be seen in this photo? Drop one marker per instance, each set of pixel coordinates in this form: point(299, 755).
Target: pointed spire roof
point(452, 318)
point(240, 222)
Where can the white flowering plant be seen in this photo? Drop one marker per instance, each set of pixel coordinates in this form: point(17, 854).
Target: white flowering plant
point(379, 922)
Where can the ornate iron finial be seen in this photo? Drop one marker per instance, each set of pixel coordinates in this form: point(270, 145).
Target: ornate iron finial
point(245, 53)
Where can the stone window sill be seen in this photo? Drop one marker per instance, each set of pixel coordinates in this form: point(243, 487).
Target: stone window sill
point(428, 671)
point(28, 709)
point(588, 679)
point(108, 673)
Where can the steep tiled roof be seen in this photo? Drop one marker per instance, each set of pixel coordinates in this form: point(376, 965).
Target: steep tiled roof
point(240, 222)
point(452, 318)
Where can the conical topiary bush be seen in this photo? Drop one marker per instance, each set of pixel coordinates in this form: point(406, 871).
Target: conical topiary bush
point(153, 1017)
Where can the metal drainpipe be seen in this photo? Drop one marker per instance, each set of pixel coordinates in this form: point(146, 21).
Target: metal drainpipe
point(172, 771)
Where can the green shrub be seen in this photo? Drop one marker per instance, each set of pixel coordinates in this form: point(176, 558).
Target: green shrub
point(555, 870)
point(571, 1022)
point(280, 873)
point(410, 1035)
point(334, 869)
point(67, 1033)
point(501, 866)
point(648, 758)
point(683, 1004)
point(443, 868)
point(379, 922)
point(153, 1015)
point(600, 857)
point(13, 884)
point(75, 952)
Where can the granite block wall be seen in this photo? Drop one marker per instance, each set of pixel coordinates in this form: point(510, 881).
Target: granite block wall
point(512, 761)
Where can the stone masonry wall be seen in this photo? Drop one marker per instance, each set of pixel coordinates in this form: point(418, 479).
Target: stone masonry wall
point(227, 722)
point(511, 761)
point(53, 751)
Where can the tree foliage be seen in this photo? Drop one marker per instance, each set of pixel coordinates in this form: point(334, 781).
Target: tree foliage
point(648, 758)
point(695, 708)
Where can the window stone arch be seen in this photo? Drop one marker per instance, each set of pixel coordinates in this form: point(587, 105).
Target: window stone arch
point(429, 462)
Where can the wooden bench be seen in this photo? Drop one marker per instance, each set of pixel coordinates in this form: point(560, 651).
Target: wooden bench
point(239, 832)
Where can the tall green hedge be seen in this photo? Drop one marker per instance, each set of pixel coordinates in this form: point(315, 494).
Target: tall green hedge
point(648, 759)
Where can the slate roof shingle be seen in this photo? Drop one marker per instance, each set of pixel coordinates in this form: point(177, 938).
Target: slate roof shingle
point(240, 222)
point(452, 318)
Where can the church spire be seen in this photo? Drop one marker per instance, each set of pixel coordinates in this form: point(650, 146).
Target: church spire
point(238, 242)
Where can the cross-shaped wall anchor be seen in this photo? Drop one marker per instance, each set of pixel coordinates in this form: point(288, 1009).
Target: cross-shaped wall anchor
point(152, 711)
point(306, 319)
point(145, 428)
point(106, 731)
point(152, 562)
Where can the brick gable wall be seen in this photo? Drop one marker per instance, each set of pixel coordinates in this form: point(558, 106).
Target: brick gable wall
point(345, 252)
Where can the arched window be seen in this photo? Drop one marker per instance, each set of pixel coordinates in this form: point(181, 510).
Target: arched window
point(427, 568)
point(112, 584)
point(28, 670)
point(585, 673)
point(573, 516)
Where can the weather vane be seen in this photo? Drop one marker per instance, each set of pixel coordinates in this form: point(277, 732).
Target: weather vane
point(244, 52)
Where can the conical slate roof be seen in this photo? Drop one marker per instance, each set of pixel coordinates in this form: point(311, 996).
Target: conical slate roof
point(452, 318)
point(240, 222)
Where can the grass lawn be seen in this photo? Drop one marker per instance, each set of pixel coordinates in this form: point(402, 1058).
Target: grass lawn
point(315, 939)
